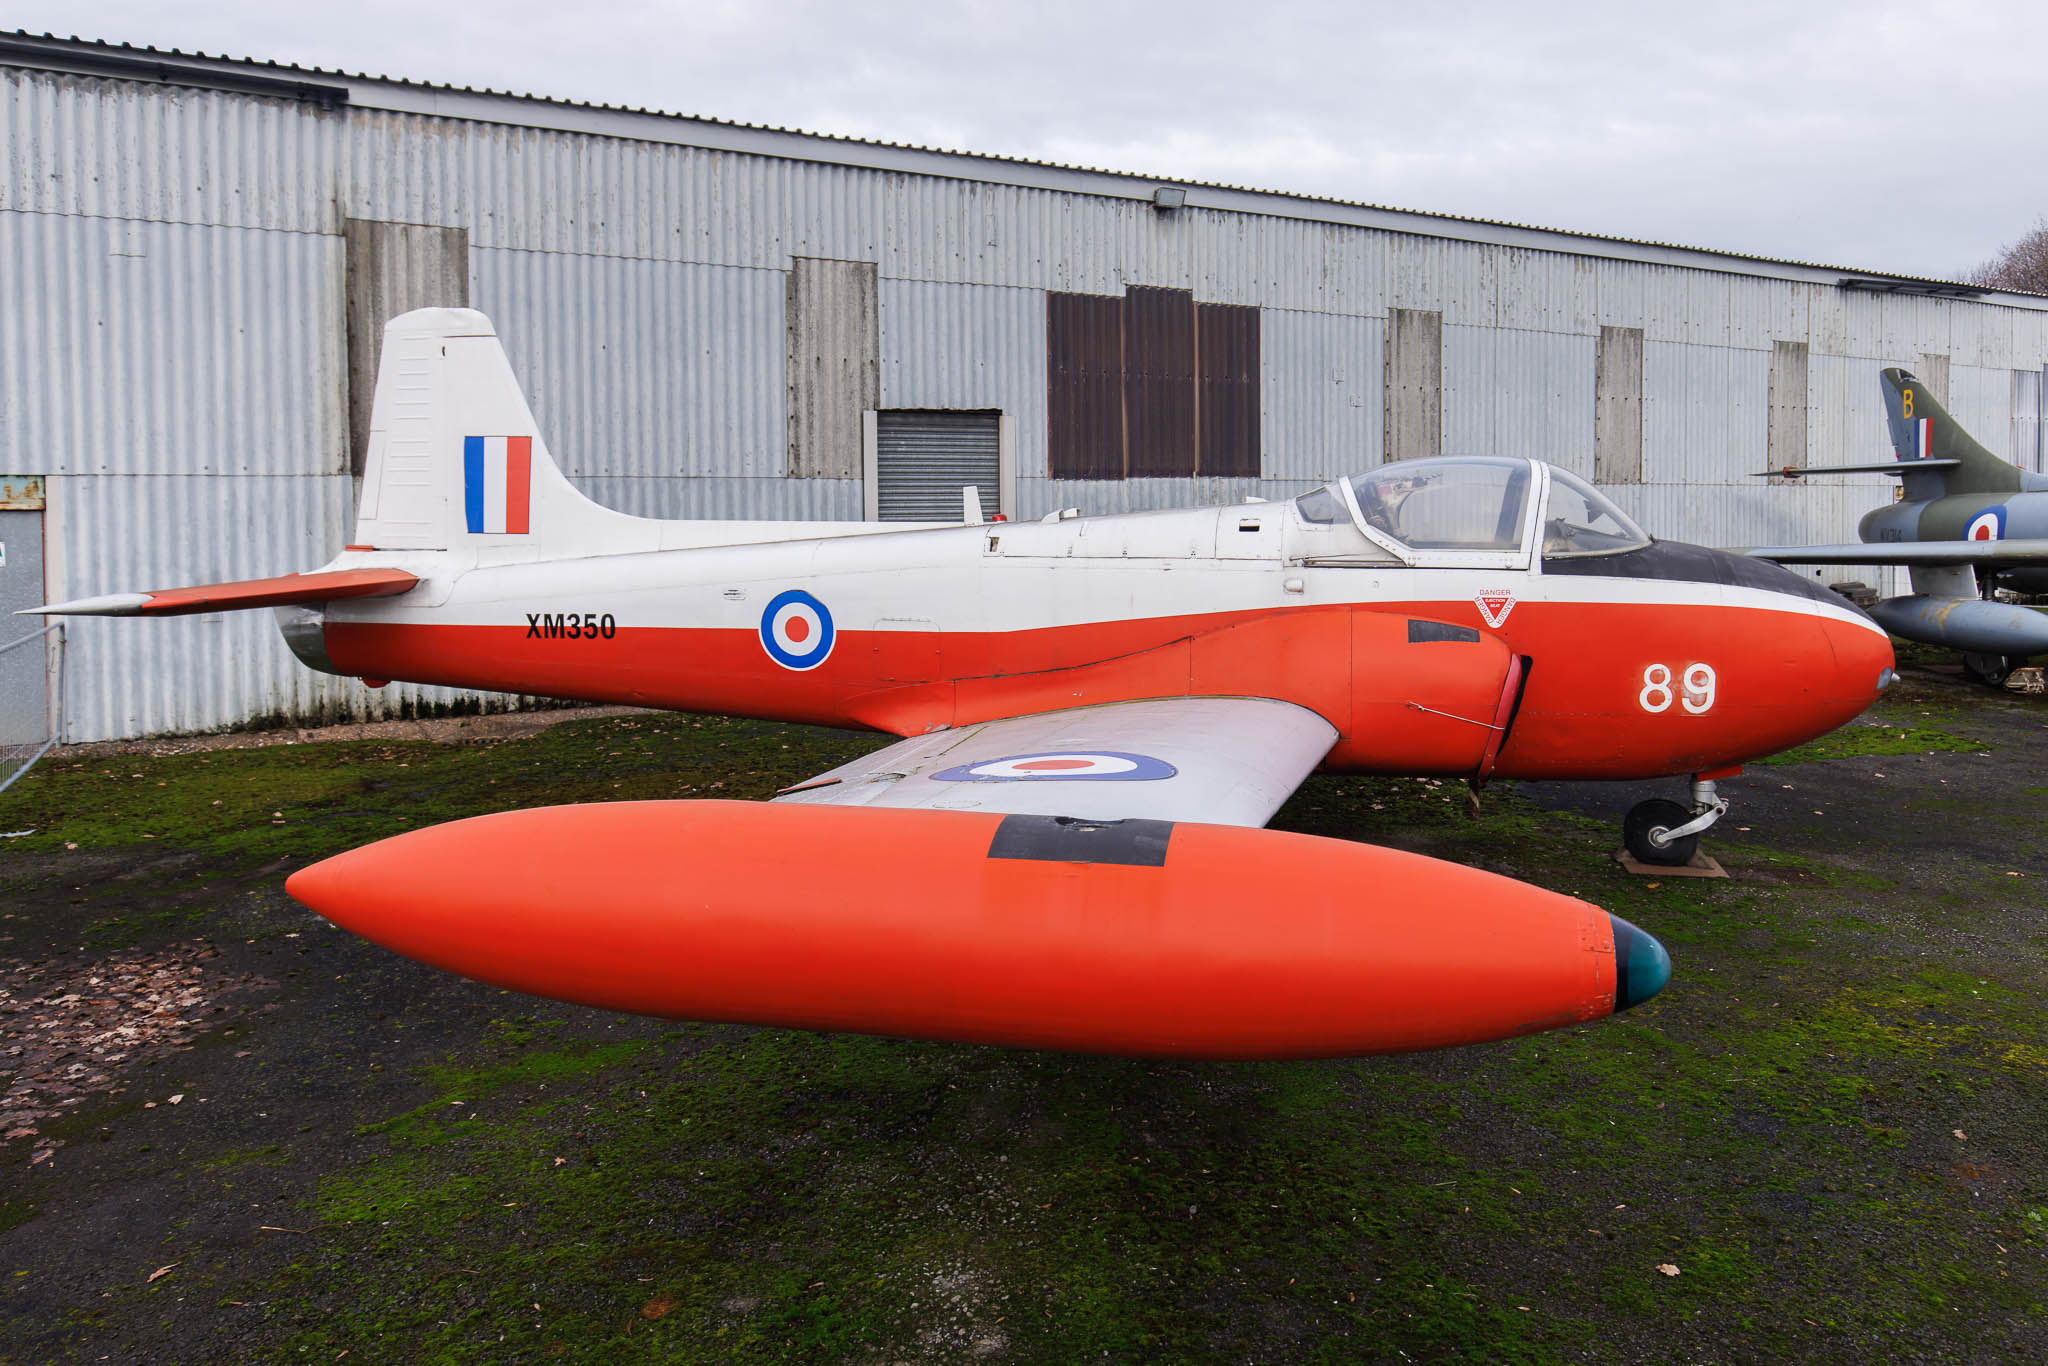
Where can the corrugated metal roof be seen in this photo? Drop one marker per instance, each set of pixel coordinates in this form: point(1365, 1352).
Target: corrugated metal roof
point(173, 65)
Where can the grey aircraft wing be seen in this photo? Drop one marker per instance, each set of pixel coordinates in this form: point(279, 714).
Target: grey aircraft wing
point(2030, 550)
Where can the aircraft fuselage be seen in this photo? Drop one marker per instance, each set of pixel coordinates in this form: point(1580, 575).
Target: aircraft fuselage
point(1670, 659)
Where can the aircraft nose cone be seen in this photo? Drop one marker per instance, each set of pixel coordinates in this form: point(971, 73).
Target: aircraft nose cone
point(1641, 967)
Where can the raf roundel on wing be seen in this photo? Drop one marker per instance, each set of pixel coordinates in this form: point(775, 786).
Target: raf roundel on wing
point(1095, 765)
point(796, 630)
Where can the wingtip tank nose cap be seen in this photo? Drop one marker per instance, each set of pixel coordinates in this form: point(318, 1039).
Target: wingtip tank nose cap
point(1641, 966)
point(320, 887)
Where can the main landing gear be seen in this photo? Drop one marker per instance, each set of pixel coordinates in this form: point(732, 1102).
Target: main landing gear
point(1990, 670)
point(1666, 833)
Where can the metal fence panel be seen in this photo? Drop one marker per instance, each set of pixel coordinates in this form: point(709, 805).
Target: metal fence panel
point(31, 699)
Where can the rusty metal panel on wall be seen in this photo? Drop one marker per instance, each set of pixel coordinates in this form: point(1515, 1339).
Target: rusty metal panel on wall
point(1085, 377)
point(1227, 343)
point(21, 493)
point(835, 366)
point(1159, 382)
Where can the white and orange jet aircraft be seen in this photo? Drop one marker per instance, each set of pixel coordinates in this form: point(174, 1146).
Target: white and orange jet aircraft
point(1098, 715)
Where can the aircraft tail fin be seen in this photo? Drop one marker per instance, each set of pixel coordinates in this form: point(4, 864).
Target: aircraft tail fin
point(1922, 429)
point(455, 457)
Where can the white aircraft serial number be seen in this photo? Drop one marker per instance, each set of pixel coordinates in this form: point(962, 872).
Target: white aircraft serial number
point(1695, 690)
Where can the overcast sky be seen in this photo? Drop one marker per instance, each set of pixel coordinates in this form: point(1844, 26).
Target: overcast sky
point(1896, 137)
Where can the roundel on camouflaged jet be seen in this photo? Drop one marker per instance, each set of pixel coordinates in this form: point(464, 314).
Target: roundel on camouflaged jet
point(1988, 525)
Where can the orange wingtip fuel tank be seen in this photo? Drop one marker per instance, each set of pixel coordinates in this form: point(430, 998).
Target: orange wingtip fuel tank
point(1131, 937)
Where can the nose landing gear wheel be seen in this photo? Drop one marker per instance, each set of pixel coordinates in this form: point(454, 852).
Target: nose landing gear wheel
point(1643, 830)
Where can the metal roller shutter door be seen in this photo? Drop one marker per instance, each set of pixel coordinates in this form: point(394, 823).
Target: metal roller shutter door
point(923, 459)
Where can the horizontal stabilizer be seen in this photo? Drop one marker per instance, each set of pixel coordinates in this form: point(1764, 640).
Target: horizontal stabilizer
point(2032, 550)
point(230, 597)
point(1897, 468)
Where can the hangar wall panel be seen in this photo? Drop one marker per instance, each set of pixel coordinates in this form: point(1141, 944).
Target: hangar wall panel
point(968, 346)
point(164, 153)
point(2029, 335)
point(1038, 497)
point(537, 190)
point(644, 368)
point(1509, 392)
point(1847, 422)
point(1618, 406)
point(392, 268)
point(1545, 291)
point(1319, 394)
point(717, 498)
point(1981, 400)
point(1413, 385)
point(1787, 406)
point(833, 313)
point(1704, 414)
point(1763, 312)
point(1988, 337)
point(1933, 372)
point(131, 347)
point(1748, 512)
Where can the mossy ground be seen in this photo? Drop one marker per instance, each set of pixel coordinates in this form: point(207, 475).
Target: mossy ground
point(1833, 1123)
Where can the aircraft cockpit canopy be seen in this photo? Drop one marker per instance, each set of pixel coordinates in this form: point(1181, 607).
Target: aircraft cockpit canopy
point(1579, 520)
point(1452, 503)
point(1475, 503)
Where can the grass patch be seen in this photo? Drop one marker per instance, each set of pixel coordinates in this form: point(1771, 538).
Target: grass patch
point(1872, 738)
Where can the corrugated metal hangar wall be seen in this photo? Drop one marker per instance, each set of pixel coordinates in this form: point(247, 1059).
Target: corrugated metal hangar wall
point(720, 321)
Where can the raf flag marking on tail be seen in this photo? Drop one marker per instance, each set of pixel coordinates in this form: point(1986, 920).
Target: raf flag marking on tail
point(497, 483)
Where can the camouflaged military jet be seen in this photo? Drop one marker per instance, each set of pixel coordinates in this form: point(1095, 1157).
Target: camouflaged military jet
point(1967, 524)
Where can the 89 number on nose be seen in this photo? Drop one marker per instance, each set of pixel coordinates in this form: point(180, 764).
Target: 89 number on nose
point(1694, 690)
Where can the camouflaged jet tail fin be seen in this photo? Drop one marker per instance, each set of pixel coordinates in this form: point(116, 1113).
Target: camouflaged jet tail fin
point(1922, 430)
